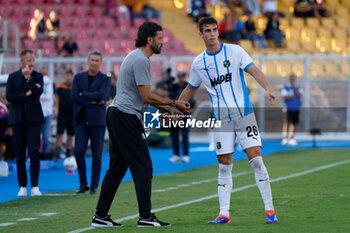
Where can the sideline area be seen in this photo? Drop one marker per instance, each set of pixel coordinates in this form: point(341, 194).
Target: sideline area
point(55, 179)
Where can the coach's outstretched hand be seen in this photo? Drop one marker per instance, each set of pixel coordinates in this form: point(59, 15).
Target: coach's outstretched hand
point(183, 106)
point(272, 97)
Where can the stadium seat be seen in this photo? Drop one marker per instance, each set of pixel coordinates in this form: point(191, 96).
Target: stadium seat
point(324, 33)
point(48, 9)
point(117, 34)
point(19, 11)
point(340, 33)
point(345, 3)
point(65, 11)
point(21, 2)
point(97, 11)
point(108, 22)
point(313, 23)
point(100, 2)
point(328, 23)
point(33, 45)
point(309, 46)
point(298, 23)
point(343, 12)
point(308, 34)
point(84, 47)
point(324, 46)
point(247, 45)
point(284, 23)
point(339, 46)
point(78, 23)
point(84, 34)
point(81, 11)
point(84, 2)
point(100, 34)
point(293, 34)
point(7, 2)
point(332, 69)
point(37, 2)
point(65, 23)
point(316, 69)
point(68, 2)
point(343, 22)
point(48, 47)
point(99, 45)
point(293, 45)
point(93, 22)
point(5, 11)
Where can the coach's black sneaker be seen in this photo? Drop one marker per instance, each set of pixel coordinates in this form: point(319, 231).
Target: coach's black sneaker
point(104, 222)
point(151, 222)
point(82, 189)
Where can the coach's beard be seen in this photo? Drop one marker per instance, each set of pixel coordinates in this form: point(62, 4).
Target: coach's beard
point(156, 50)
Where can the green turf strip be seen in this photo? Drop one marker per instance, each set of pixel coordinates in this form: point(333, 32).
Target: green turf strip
point(315, 202)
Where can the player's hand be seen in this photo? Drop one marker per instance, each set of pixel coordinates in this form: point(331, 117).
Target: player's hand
point(183, 106)
point(29, 92)
point(272, 97)
point(26, 72)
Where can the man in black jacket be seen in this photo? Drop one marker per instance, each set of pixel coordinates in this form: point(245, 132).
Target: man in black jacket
point(23, 90)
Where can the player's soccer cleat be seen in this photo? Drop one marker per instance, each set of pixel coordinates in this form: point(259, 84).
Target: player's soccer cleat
point(175, 159)
point(22, 192)
point(104, 222)
point(186, 159)
point(153, 221)
point(221, 219)
point(35, 191)
point(292, 142)
point(271, 217)
point(284, 141)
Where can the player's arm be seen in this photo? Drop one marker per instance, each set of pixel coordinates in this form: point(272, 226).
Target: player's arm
point(261, 79)
point(187, 93)
point(160, 102)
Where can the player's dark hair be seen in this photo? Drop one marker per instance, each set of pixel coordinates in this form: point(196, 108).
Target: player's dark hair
point(147, 29)
point(25, 52)
point(206, 20)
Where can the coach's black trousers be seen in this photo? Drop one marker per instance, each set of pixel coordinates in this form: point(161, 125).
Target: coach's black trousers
point(127, 149)
point(27, 135)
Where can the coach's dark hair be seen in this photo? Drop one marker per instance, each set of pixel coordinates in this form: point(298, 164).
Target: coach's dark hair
point(206, 20)
point(147, 29)
point(25, 52)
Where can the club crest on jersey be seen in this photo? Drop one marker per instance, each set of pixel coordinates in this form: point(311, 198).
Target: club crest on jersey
point(227, 63)
point(222, 78)
point(218, 145)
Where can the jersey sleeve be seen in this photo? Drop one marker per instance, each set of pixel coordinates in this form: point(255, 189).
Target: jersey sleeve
point(284, 92)
point(142, 72)
point(194, 79)
point(246, 60)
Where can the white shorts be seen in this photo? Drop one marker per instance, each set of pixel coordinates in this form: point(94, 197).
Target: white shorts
point(244, 130)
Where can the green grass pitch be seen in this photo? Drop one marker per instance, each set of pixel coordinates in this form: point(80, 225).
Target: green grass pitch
point(311, 192)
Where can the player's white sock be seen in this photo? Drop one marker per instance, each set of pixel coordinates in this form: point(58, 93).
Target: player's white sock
point(262, 181)
point(224, 188)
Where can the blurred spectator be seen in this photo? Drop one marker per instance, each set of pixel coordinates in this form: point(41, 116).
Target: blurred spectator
point(311, 8)
point(47, 100)
point(272, 30)
point(231, 28)
point(149, 12)
point(113, 89)
point(6, 132)
point(232, 4)
point(65, 114)
point(37, 25)
point(269, 7)
point(174, 131)
point(253, 7)
point(291, 94)
point(70, 48)
point(131, 5)
point(251, 32)
point(197, 9)
point(53, 27)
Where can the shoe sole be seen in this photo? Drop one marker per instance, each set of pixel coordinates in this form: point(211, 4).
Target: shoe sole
point(101, 226)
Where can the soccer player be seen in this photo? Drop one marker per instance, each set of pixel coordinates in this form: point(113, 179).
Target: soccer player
point(220, 67)
point(127, 141)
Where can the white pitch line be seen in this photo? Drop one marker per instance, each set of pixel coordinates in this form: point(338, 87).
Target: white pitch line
point(26, 219)
point(197, 182)
point(233, 191)
point(5, 224)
